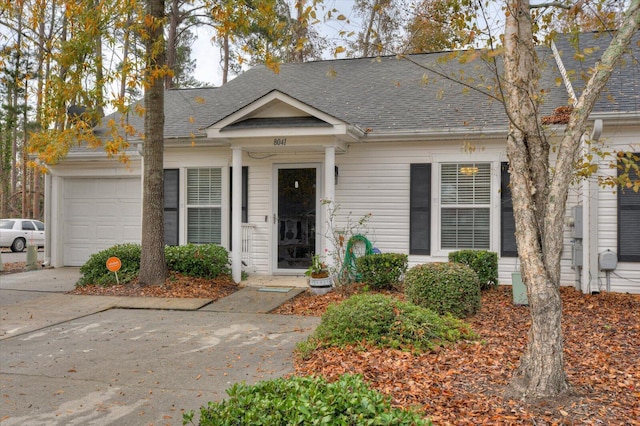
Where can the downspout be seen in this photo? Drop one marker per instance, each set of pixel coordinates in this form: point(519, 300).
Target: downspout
point(590, 271)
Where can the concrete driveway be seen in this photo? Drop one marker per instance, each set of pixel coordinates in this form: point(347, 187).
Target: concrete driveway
point(78, 360)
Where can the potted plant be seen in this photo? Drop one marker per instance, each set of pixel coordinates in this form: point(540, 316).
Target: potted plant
point(319, 280)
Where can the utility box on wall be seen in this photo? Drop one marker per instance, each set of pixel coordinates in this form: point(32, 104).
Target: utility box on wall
point(608, 260)
point(578, 223)
point(519, 289)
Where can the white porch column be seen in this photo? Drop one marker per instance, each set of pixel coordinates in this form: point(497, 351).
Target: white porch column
point(47, 218)
point(236, 216)
point(329, 193)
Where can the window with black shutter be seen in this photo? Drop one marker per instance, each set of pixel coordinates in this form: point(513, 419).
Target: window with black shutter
point(171, 203)
point(629, 220)
point(508, 247)
point(420, 209)
point(245, 193)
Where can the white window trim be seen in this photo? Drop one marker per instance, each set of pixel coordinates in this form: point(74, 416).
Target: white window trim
point(436, 206)
point(224, 212)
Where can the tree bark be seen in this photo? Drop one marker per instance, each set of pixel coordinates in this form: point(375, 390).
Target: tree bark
point(153, 269)
point(172, 42)
point(225, 58)
point(539, 195)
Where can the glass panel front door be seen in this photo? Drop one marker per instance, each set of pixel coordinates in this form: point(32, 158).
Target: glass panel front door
point(296, 224)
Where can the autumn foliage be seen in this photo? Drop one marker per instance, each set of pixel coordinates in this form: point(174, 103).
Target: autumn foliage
point(463, 383)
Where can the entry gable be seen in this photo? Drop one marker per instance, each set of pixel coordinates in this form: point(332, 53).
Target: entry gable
point(277, 113)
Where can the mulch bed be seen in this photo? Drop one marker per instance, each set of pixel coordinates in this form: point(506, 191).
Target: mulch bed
point(463, 384)
point(175, 286)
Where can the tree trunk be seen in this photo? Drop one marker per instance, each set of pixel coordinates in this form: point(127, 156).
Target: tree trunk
point(125, 57)
point(153, 269)
point(300, 33)
point(539, 196)
point(225, 58)
point(172, 42)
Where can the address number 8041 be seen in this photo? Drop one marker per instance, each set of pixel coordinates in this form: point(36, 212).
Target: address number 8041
point(280, 141)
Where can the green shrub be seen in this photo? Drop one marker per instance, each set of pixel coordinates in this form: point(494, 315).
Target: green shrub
point(208, 261)
point(444, 287)
point(483, 262)
point(382, 271)
point(384, 321)
point(305, 401)
point(94, 271)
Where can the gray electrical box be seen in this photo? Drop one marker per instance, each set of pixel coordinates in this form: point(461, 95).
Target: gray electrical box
point(576, 213)
point(576, 253)
point(608, 260)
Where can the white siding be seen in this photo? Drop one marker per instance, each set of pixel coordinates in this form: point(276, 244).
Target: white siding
point(374, 178)
point(626, 277)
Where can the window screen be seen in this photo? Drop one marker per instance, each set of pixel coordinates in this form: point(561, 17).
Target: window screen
point(204, 206)
point(465, 216)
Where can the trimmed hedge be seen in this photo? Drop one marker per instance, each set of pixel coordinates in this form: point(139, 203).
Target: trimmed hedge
point(94, 271)
point(382, 270)
point(483, 262)
point(450, 287)
point(305, 401)
point(208, 260)
point(384, 321)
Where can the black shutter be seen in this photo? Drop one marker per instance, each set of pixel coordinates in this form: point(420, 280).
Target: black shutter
point(245, 197)
point(171, 203)
point(508, 247)
point(420, 209)
point(245, 194)
point(629, 221)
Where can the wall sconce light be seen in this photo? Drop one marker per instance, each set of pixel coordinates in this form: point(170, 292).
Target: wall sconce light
point(469, 171)
point(336, 174)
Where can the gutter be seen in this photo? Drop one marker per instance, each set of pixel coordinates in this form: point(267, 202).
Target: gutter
point(617, 118)
point(436, 135)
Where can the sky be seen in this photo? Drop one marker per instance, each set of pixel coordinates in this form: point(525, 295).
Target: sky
point(207, 55)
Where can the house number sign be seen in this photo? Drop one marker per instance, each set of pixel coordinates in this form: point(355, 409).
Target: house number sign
point(279, 141)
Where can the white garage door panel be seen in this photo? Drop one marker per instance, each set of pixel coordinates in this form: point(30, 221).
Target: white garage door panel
point(99, 213)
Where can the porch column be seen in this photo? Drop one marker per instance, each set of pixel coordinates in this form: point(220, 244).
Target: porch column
point(236, 216)
point(329, 193)
point(47, 219)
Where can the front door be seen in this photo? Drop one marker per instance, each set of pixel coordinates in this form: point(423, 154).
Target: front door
point(295, 224)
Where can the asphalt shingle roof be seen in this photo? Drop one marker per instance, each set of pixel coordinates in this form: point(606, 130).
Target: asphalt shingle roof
point(622, 93)
point(389, 94)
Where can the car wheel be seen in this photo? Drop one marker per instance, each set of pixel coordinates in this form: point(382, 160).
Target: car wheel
point(18, 245)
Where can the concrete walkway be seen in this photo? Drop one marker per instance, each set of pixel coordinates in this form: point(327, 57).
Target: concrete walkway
point(103, 360)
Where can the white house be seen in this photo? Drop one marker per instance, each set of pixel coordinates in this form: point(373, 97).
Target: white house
point(393, 137)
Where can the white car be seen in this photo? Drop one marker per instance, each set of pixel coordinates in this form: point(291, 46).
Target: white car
point(18, 233)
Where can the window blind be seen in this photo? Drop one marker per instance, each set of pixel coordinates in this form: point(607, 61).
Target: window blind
point(465, 216)
point(629, 220)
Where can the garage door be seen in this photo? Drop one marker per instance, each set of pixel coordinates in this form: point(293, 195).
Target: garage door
point(99, 213)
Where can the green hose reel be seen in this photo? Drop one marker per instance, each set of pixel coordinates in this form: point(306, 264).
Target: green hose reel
point(351, 254)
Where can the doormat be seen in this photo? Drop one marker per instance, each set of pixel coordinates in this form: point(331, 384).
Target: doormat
point(275, 289)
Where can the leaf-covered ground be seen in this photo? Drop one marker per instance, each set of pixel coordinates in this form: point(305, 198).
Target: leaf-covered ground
point(176, 285)
point(463, 384)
